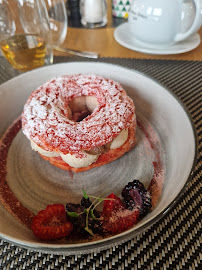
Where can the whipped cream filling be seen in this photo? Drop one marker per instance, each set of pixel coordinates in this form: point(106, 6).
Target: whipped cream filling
point(43, 152)
point(120, 139)
point(75, 162)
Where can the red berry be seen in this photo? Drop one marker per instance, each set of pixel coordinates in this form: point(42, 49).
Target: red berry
point(112, 205)
point(116, 218)
point(51, 223)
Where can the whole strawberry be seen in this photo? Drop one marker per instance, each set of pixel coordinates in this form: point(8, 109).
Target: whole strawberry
point(51, 223)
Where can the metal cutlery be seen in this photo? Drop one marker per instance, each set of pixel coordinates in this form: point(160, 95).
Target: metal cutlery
point(79, 53)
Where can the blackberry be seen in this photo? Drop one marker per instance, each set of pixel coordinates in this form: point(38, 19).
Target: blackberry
point(135, 195)
point(94, 224)
point(85, 202)
point(72, 207)
point(79, 223)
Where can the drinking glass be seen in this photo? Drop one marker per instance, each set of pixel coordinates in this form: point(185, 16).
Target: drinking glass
point(27, 47)
point(59, 24)
point(56, 13)
point(58, 21)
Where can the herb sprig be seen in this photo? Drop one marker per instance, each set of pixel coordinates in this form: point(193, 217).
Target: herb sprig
point(89, 211)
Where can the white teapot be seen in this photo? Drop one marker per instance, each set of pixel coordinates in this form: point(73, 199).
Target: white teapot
point(164, 22)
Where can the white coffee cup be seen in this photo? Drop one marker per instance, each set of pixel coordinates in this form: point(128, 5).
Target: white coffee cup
point(164, 22)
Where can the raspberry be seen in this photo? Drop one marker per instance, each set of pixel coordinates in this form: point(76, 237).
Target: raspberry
point(116, 218)
point(51, 223)
point(136, 196)
point(112, 205)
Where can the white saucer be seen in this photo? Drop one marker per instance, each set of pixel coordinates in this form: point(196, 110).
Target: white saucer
point(123, 37)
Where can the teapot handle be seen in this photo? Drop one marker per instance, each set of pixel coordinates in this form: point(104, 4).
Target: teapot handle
point(196, 23)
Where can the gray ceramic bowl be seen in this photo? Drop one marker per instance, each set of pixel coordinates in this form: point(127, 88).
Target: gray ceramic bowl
point(36, 183)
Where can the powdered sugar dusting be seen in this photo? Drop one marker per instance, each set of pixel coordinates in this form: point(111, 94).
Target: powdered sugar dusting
point(44, 119)
point(157, 182)
point(122, 214)
point(156, 186)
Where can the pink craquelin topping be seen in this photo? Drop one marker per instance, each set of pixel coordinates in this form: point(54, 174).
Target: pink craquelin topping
point(45, 117)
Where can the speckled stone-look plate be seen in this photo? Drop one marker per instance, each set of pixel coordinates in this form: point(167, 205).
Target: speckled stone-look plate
point(36, 183)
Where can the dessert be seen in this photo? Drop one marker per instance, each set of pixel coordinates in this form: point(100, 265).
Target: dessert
point(78, 122)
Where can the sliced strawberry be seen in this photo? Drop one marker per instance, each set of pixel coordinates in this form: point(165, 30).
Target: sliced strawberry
point(116, 218)
point(51, 223)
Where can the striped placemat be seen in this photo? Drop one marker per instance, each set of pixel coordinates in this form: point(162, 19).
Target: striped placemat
point(171, 243)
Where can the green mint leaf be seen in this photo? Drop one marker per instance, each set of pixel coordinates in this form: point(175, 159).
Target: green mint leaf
point(84, 194)
point(73, 214)
point(92, 214)
point(89, 231)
